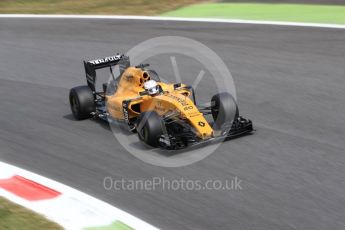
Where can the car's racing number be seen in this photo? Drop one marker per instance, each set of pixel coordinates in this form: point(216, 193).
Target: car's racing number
point(129, 78)
point(188, 108)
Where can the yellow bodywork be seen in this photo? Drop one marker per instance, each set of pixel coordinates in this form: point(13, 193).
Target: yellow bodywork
point(170, 101)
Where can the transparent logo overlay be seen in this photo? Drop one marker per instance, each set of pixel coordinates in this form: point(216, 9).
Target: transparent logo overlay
point(212, 74)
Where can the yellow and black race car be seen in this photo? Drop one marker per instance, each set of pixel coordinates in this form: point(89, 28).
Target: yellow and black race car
point(164, 115)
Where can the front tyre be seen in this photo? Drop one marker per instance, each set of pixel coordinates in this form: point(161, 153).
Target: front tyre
point(82, 102)
point(224, 110)
point(150, 128)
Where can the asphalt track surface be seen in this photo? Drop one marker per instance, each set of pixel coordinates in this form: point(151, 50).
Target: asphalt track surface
point(290, 81)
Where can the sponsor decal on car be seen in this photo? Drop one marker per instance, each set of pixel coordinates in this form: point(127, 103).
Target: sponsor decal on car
point(201, 123)
point(181, 101)
point(106, 59)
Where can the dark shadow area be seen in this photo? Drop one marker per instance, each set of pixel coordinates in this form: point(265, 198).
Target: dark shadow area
point(102, 123)
point(142, 146)
point(69, 117)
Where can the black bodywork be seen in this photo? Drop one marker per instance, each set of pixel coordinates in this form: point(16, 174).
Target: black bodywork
point(179, 135)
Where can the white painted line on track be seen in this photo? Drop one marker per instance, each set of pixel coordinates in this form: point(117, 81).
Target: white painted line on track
point(176, 19)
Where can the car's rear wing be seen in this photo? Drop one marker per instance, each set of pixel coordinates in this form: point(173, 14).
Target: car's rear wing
point(93, 65)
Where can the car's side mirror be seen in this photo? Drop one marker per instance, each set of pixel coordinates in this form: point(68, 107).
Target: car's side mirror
point(177, 85)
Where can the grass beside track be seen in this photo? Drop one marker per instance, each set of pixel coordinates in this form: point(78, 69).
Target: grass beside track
point(111, 7)
point(13, 216)
point(268, 12)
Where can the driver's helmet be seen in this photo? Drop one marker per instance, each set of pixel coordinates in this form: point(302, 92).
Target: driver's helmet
point(151, 87)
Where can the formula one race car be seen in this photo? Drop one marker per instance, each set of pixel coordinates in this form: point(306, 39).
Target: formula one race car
point(164, 115)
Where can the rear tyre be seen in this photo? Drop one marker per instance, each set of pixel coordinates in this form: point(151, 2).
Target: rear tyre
point(82, 102)
point(224, 110)
point(150, 128)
